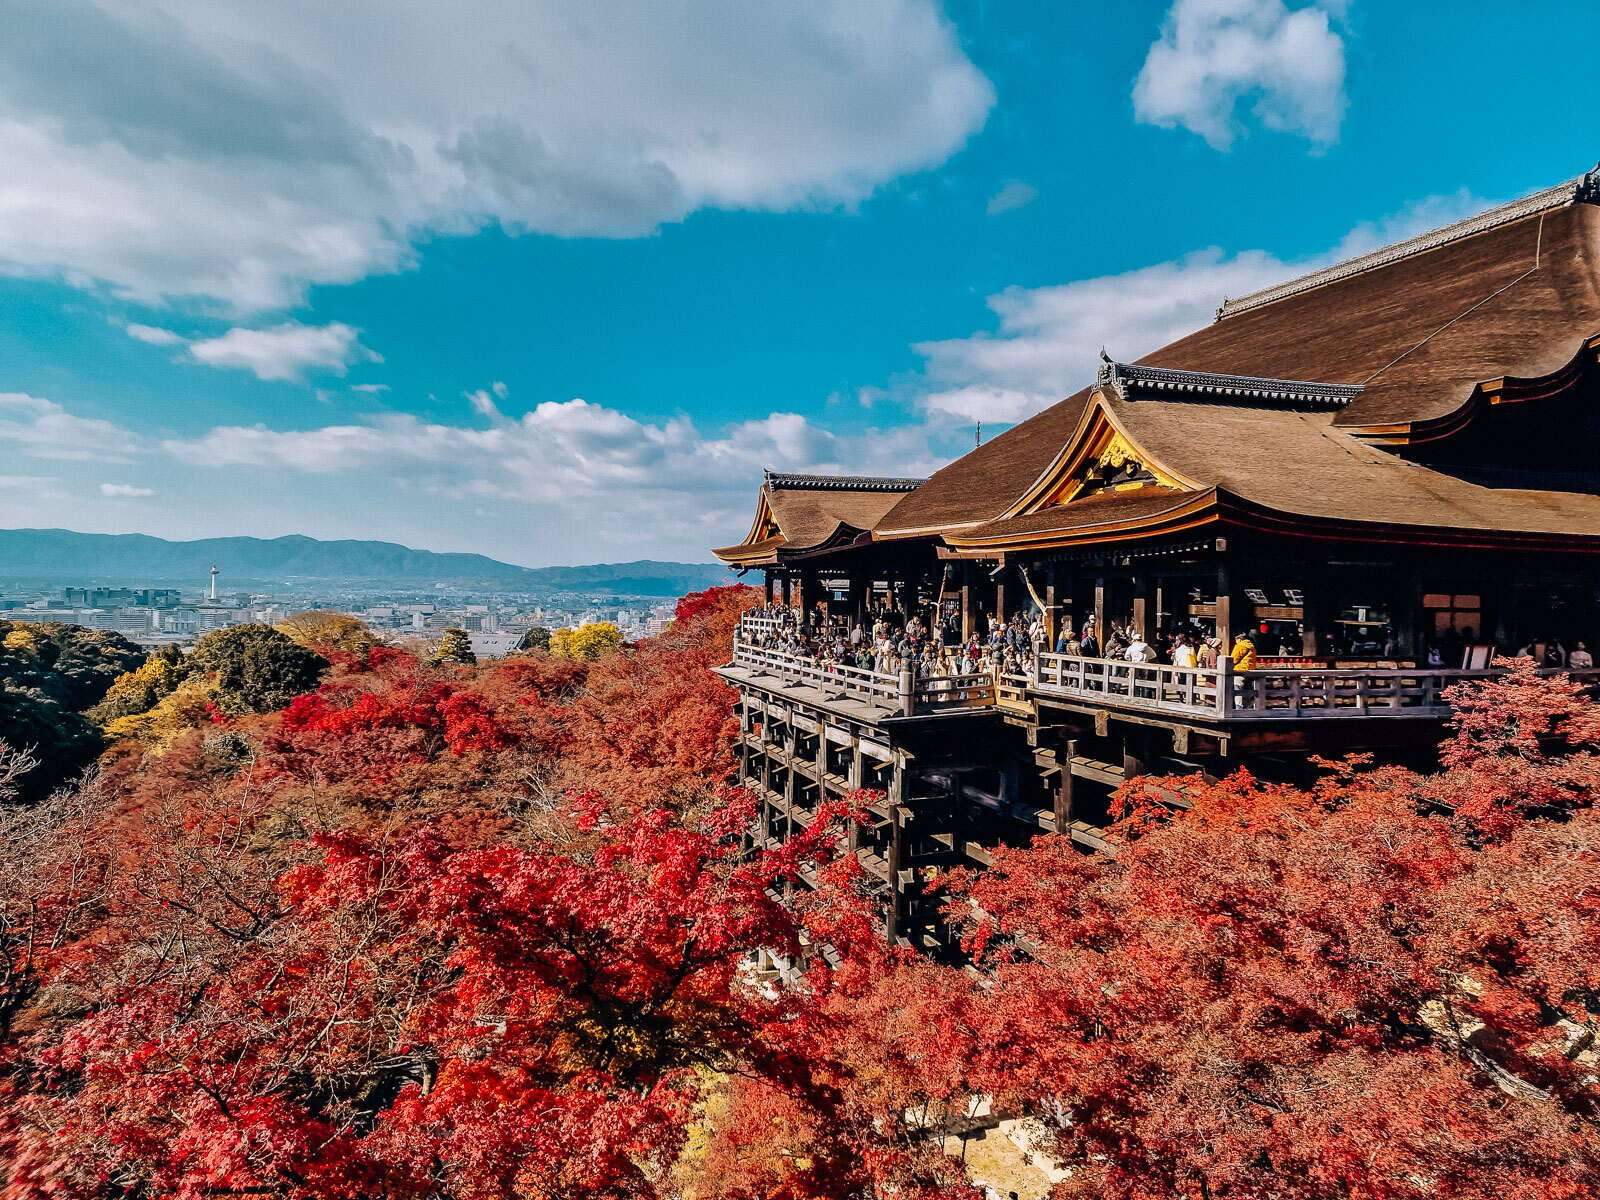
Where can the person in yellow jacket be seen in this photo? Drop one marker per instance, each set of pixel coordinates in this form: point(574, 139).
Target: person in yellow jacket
point(1244, 653)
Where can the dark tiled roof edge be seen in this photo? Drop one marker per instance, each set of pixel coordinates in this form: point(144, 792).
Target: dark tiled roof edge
point(841, 483)
point(1585, 188)
point(1128, 378)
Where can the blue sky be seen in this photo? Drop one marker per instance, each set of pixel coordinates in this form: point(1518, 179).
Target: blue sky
point(555, 281)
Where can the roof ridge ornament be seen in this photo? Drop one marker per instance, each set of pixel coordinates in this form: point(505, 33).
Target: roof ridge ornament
point(1574, 191)
point(1132, 377)
point(1587, 189)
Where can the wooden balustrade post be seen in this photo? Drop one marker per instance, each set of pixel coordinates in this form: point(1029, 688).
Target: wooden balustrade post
point(1224, 684)
point(908, 693)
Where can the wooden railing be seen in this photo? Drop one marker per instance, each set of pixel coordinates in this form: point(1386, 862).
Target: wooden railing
point(877, 687)
point(753, 624)
point(899, 691)
point(1276, 693)
point(1123, 684)
point(934, 692)
point(1209, 693)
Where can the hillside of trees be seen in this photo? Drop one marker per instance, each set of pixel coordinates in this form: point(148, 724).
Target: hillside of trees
point(328, 919)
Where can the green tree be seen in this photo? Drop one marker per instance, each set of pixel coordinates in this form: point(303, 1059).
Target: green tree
point(537, 638)
point(49, 674)
point(256, 668)
point(454, 647)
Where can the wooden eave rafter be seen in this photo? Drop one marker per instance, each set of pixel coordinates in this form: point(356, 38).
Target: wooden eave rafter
point(1238, 512)
point(762, 553)
point(762, 541)
point(1487, 393)
point(763, 525)
point(1190, 510)
point(844, 537)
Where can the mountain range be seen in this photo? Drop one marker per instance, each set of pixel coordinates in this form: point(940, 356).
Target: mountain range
point(140, 558)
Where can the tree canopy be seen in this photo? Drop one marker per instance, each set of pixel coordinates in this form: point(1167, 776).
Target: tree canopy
point(454, 647)
point(256, 668)
point(489, 931)
point(328, 633)
point(587, 642)
point(50, 673)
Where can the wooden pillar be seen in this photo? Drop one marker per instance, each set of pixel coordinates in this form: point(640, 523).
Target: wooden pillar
point(1063, 796)
point(1000, 612)
point(768, 587)
point(1314, 612)
point(1141, 607)
point(767, 747)
point(852, 785)
point(1225, 613)
point(1137, 754)
point(968, 617)
point(1498, 616)
point(1405, 614)
point(1100, 610)
point(808, 593)
point(897, 812)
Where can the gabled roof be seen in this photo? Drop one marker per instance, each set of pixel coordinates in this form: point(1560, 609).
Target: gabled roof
point(797, 513)
point(1392, 347)
point(1276, 468)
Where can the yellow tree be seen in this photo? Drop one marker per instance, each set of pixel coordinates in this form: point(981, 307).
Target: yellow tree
point(323, 631)
point(587, 642)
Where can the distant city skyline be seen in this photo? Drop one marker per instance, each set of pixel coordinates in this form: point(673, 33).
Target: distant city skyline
point(553, 284)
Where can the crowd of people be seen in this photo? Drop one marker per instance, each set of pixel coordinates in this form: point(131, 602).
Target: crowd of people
point(894, 641)
point(889, 641)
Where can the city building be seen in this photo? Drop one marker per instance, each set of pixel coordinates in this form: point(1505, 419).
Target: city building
point(1381, 473)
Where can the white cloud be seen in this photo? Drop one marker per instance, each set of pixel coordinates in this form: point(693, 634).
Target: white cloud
point(286, 351)
point(1011, 197)
point(241, 152)
point(125, 491)
point(573, 468)
point(1214, 53)
point(41, 428)
point(28, 486)
point(1049, 339)
point(153, 336)
point(370, 389)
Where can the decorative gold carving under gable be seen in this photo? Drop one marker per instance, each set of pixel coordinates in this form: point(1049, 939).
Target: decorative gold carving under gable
point(1117, 466)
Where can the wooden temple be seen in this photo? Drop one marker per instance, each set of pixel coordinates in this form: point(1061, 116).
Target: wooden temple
point(1386, 471)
